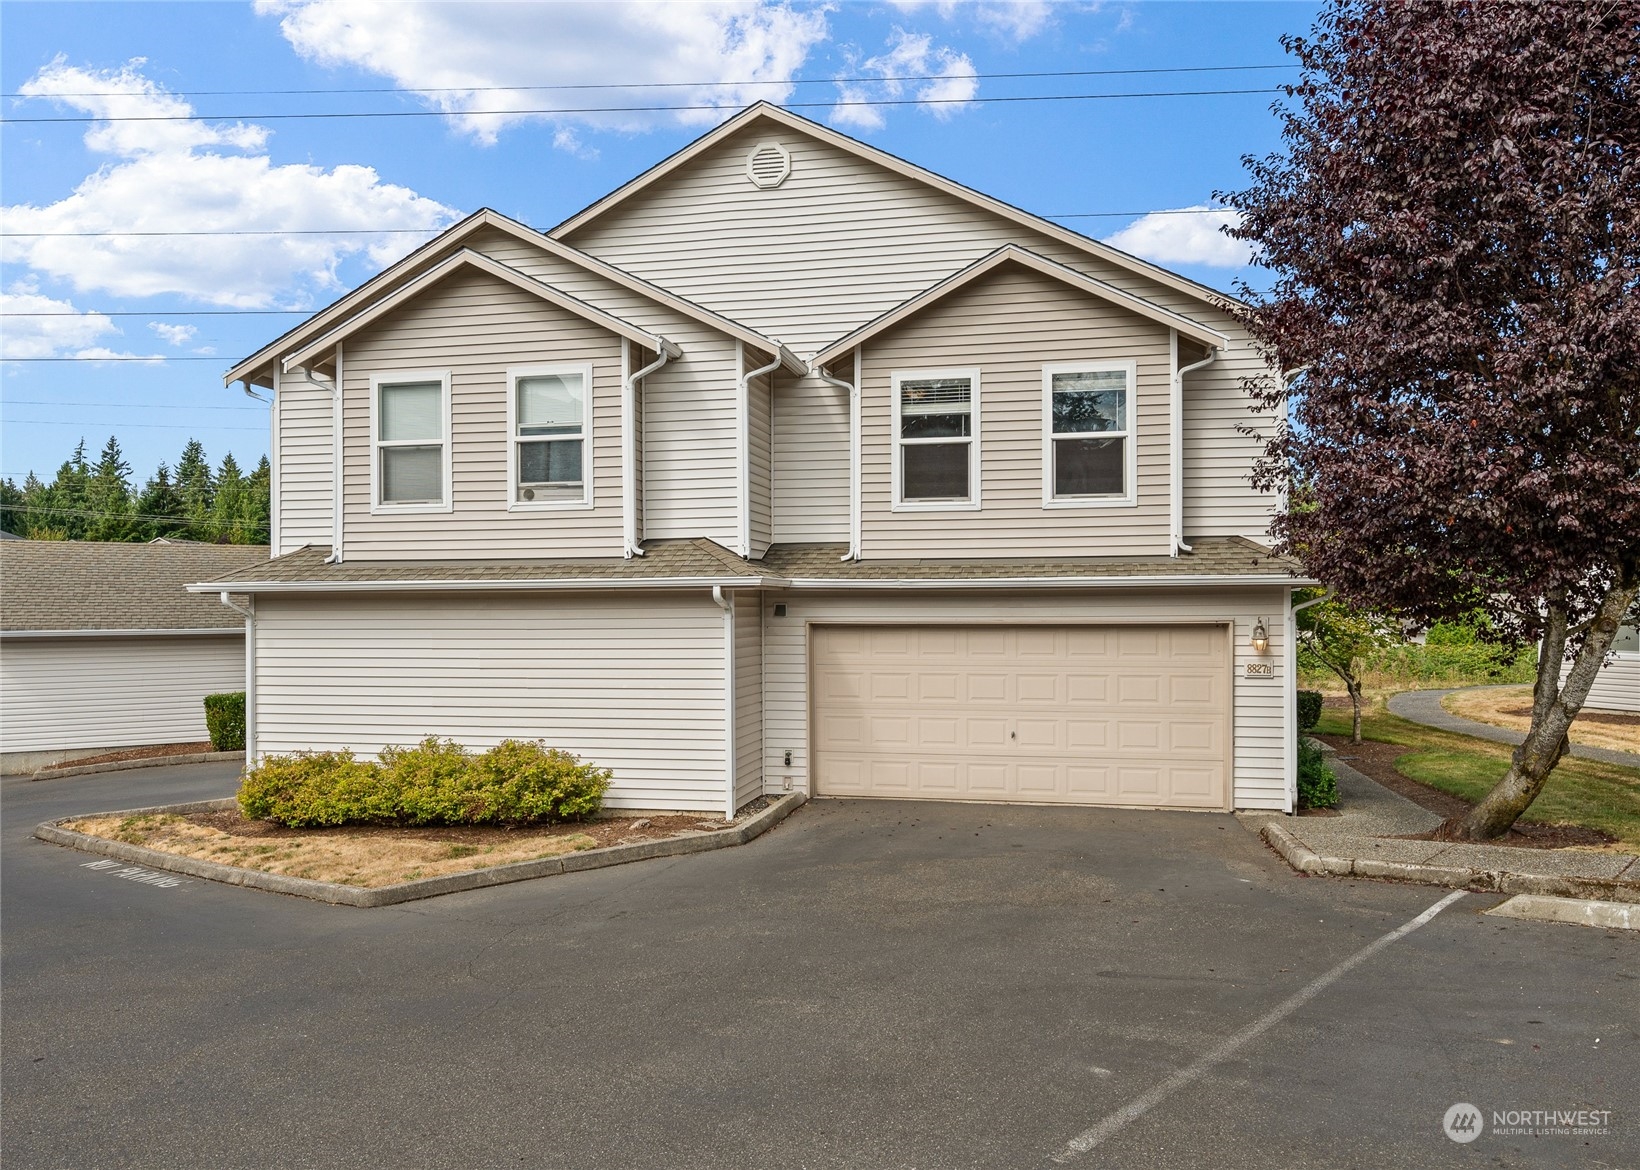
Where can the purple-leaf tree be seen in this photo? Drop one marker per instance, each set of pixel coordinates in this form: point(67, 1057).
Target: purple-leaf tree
point(1452, 229)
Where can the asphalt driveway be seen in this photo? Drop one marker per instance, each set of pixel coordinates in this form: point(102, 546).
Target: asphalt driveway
point(869, 985)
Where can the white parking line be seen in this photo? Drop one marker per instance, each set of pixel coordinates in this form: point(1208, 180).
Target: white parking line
point(1139, 1106)
point(135, 873)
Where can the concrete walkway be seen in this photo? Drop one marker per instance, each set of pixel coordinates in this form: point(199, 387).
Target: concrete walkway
point(1425, 707)
point(1365, 840)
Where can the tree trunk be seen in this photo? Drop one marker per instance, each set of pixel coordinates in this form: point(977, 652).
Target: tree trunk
point(1354, 687)
point(1553, 709)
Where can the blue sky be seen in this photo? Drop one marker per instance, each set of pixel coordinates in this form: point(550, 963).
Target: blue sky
point(233, 162)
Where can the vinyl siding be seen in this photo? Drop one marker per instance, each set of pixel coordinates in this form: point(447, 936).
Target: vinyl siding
point(303, 416)
point(113, 692)
point(1258, 764)
point(477, 327)
point(811, 461)
point(865, 239)
point(1616, 687)
point(748, 697)
point(633, 683)
point(760, 453)
point(1008, 325)
point(690, 434)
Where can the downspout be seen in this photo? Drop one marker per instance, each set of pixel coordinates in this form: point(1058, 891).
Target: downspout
point(335, 387)
point(250, 673)
point(727, 604)
point(853, 553)
point(743, 453)
point(1290, 691)
point(1176, 424)
point(273, 459)
point(629, 451)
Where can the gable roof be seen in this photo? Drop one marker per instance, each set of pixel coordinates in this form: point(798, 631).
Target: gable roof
point(802, 125)
point(81, 586)
point(1014, 254)
point(260, 362)
point(469, 259)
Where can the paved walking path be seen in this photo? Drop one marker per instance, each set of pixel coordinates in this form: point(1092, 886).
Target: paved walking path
point(1425, 707)
point(1366, 840)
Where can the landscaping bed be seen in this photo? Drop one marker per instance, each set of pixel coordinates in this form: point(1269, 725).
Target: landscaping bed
point(374, 856)
point(151, 752)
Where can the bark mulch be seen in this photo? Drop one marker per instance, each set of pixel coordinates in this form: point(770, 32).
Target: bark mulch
point(153, 752)
point(1377, 762)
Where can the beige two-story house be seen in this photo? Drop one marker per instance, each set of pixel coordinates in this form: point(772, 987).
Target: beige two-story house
point(789, 465)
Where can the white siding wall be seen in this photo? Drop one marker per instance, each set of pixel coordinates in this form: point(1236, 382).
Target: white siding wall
point(634, 682)
point(477, 327)
point(760, 452)
point(1258, 764)
point(811, 461)
point(1616, 687)
point(304, 415)
point(1007, 325)
point(748, 697)
point(113, 692)
point(865, 239)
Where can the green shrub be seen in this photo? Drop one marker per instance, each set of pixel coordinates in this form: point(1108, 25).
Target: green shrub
point(1309, 709)
point(437, 782)
point(225, 720)
point(528, 781)
point(1317, 786)
point(311, 789)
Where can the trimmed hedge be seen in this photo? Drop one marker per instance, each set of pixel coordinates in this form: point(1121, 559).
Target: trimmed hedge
point(437, 782)
point(225, 720)
point(1317, 786)
point(1309, 709)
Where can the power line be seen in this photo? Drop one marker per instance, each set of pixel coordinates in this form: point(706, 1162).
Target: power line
point(155, 360)
point(167, 313)
point(667, 84)
point(48, 509)
point(120, 405)
point(707, 107)
point(47, 422)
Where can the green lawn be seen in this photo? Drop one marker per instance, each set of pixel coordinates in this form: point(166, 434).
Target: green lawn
point(1579, 792)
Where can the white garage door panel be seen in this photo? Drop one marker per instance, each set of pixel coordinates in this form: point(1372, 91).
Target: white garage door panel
point(1135, 715)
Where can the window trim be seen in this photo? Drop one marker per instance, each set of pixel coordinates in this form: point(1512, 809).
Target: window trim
point(897, 502)
point(514, 504)
point(1129, 497)
point(396, 378)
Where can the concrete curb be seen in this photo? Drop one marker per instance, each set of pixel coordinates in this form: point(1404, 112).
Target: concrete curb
point(1305, 860)
point(146, 762)
point(1575, 911)
point(340, 895)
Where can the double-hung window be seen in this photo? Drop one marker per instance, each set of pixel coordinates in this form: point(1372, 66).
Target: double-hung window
point(1087, 425)
point(550, 456)
point(410, 419)
point(936, 439)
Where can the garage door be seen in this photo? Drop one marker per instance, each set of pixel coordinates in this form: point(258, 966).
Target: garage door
point(1098, 715)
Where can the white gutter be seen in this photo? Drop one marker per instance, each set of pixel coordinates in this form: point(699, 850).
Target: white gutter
point(1176, 426)
point(250, 674)
point(853, 553)
point(335, 386)
point(196, 632)
point(274, 409)
point(728, 606)
point(743, 452)
point(1178, 579)
point(629, 449)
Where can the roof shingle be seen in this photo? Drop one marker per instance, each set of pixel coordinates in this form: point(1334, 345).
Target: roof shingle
point(74, 585)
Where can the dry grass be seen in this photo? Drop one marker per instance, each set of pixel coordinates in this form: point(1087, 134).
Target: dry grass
point(368, 858)
point(1511, 707)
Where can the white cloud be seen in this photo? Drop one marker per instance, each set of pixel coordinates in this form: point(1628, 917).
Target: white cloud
point(38, 326)
point(1016, 20)
point(484, 55)
point(173, 334)
point(1174, 238)
point(908, 55)
point(178, 176)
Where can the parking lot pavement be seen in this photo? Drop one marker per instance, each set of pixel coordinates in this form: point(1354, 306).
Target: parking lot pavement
point(871, 984)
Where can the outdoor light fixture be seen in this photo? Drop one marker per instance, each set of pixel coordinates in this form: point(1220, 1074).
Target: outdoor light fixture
point(1261, 637)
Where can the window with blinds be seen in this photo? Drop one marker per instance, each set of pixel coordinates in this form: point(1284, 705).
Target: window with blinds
point(935, 452)
point(550, 455)
point(410, 442)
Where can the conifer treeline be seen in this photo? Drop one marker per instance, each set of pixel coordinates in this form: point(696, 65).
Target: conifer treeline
point(98, 500)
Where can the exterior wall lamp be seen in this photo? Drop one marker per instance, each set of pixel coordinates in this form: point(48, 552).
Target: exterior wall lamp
point(1261, 637)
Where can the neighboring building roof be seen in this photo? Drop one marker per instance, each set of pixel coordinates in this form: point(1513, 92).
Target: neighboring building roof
point(1014, 254)
point(699, 562)
point(76, 586)
point(802, 125)
point(259, 364)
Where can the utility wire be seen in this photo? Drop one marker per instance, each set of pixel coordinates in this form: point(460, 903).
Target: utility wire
point(46, 422)
point(708, 107)
point(667, 84)
point(48, 509)
point(121, 405)
point(157, 358)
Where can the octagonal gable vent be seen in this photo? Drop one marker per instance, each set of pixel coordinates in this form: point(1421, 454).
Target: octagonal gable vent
point(768, 164)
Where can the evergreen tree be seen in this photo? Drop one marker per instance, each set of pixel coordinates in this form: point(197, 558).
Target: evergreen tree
point(108, 496)
point(197, 487)
point(63, 505)
point(228, 506)
point(160, 507)
point(257, 510)
point(12, 500)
